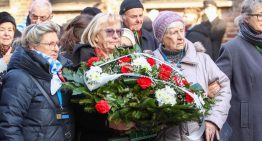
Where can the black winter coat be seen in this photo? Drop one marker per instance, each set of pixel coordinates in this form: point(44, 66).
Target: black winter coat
point(210, 34)
point(25, 114)
point(149, 42)
point(89, 126)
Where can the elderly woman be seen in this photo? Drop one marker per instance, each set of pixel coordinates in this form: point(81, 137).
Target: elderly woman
point(198, 67)
point(99, 39)
point(240, 59)
point(32, 106)
point(7, 32)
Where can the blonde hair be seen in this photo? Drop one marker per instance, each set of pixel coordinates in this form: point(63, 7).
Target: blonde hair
point(34, 33)
point(100, 21)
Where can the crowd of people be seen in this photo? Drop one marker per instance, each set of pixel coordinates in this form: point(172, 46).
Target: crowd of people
point(34, 107)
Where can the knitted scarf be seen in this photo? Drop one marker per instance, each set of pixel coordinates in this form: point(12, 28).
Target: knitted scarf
point(250, 34)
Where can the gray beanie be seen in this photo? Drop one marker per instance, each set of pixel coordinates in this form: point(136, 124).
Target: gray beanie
point(162, 21)
point(129, 4)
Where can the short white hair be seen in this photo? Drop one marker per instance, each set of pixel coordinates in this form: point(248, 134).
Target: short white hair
point(42, 4)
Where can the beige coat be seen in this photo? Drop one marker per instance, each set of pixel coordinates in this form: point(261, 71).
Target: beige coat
point(198, 67)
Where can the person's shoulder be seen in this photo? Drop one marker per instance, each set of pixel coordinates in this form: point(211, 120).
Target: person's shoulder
point(233, 43)
point(17, 77)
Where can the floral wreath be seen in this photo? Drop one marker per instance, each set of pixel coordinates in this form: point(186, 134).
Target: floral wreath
point(138, 88)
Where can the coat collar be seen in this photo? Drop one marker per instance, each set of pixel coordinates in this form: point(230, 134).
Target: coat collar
point(191, 54)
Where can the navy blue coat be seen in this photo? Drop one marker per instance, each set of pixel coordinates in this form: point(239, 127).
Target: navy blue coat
point(242, 62)
point(149, 42)
point(25, 114)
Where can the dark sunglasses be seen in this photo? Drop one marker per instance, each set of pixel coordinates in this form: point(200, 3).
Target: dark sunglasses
point(110, 32)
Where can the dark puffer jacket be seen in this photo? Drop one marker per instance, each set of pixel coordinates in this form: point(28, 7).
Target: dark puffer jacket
point(25, 114)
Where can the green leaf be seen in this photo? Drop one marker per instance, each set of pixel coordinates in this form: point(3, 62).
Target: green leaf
point(196, 87)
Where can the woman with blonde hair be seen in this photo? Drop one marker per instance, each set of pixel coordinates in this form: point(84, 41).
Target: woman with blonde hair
point(99, 39)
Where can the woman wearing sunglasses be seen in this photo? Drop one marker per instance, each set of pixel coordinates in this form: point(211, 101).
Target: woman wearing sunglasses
point(99, 39)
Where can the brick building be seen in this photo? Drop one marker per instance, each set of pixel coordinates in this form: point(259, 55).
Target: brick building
point(65, 10)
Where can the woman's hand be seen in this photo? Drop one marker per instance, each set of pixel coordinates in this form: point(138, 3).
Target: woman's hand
point(121, 125)
point(211, 131)
point(7, 56)
point(213, 89)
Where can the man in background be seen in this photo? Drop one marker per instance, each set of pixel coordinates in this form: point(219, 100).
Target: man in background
point(133, 18)
point(210, 32)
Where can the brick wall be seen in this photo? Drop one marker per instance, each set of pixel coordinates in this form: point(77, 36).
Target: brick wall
point(19, 9)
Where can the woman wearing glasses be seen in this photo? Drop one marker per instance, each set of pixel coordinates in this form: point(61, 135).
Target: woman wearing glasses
point(32, 105)
point(99, 39)
point(240, 59)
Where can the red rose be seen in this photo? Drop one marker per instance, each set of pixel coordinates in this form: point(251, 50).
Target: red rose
point(151, 61)
point(189, 99)
point(124, 60)
point(184, 81)
point(164, 67)
point(144, 82)
point(164, 75)
point(102, 107)
point(90, 62)
point(126, 68)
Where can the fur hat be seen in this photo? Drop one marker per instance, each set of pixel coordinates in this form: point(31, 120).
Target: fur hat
point(6, 17)
point(162, 21)
point(129, 4)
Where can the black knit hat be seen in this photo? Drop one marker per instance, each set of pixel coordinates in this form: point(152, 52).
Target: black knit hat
point(6, 17)
point(129, 4)
point(209, 2)
point(91, 11)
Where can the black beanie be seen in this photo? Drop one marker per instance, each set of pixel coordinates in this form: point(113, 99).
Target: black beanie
point(91, 11)
point(129, 4)
point(6, 17)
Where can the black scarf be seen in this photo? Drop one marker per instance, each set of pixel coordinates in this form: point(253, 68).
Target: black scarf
point(250, 34)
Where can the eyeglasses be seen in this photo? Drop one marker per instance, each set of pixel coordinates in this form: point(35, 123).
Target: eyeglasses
point(110, 32)
point(42, 18)
point(259, 16)
point(51, 44)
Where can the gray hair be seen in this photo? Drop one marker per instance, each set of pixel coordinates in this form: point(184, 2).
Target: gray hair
point(41, 4)
point(99, 22)
point(248, 7)
point(34, 33)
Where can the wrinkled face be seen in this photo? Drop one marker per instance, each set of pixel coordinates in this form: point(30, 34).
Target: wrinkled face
point(39, 15)
point(133, 19)
point(109, 37)
point(49, 45)
point(174, 37)
point(255, 19)
point(7, 33)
